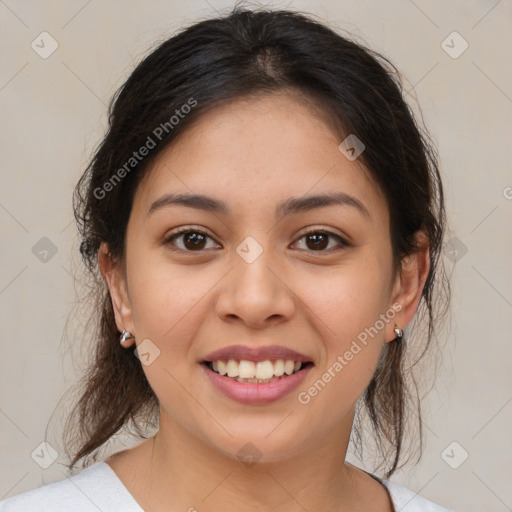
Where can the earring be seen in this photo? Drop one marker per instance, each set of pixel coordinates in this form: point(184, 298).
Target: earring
point(399, 334)
point(125, 336)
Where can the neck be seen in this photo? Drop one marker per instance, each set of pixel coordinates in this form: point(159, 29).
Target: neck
point(187, 473)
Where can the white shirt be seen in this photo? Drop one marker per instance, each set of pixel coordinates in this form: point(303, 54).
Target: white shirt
point(98, 488)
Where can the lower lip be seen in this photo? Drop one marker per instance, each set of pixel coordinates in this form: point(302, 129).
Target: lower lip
point(248, 393)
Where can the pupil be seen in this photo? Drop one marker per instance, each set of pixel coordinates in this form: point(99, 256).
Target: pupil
point(316, 237)
point(196, 236)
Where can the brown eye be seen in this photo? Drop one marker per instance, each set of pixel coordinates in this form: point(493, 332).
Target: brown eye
point(193, 240)
point(317, 240)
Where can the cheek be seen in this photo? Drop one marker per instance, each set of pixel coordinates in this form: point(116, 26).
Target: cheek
point(166, 298)
point(348, 299)
point(168, 304)
point(349, 305)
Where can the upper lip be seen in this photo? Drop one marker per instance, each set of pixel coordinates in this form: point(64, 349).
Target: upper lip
point(259, 353)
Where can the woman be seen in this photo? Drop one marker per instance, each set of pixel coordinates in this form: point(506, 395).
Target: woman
point(266, 218)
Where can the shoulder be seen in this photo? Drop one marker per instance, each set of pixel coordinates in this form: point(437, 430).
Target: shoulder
point(405, 500)
point(94, 488)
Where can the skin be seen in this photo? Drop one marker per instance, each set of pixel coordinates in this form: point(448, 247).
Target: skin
point(253, 154)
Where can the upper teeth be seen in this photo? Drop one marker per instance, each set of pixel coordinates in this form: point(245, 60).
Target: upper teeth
point(259, 370)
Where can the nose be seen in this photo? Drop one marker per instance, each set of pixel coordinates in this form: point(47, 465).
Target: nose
point(256, 294)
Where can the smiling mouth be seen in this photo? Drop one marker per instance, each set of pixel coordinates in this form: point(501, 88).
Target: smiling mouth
point(261, 372)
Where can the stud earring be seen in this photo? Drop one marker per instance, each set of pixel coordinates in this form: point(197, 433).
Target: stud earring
point(399, 334)
point(125, 336)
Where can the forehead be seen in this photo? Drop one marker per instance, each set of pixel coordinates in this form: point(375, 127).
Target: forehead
point(256, 153)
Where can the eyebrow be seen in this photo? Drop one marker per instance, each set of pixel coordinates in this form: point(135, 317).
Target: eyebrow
point(291, 205)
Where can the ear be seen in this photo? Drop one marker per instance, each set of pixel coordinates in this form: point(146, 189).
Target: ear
point(408, 285)
point(113, 275)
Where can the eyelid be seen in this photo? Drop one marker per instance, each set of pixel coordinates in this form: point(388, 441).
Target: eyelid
point(322, 229)
point(186, 229)
point(327, 231)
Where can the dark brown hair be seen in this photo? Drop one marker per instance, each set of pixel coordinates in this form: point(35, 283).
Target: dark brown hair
point(244, 53)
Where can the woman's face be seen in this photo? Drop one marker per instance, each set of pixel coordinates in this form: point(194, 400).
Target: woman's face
point(255, 278)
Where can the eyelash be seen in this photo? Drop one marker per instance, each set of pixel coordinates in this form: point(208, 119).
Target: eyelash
point(190, 229)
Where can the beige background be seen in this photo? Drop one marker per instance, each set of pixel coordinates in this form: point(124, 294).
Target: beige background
point(54, 113)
